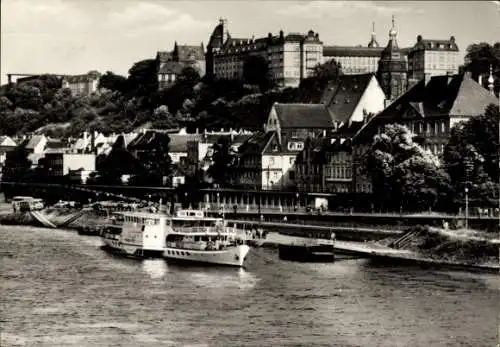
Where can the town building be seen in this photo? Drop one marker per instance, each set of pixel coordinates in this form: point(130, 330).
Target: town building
point(433, 58)
point(430, 109)
point(267, 161)
point(291, 57)
point(170, 64)
point(6, 146)
point(309, 166)
point(351, 100)
point(85, 84)
point(392, 68)
point(60, 164)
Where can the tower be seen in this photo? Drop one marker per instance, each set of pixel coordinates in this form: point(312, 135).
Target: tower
point(373, 42)
point(215, 43)
point(491, 81)
point(392, 67)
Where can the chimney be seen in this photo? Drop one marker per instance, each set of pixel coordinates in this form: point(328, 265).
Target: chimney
point(85, 136)
point(480, 80)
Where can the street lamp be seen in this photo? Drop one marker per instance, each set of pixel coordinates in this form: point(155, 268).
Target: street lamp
point(466, 206)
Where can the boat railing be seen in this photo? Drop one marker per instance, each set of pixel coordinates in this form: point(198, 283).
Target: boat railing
point(205, 229)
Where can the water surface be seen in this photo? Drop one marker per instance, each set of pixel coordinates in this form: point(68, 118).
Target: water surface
point(61, 289)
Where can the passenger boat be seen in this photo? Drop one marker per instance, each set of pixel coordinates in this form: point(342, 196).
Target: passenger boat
point(196, 238)
point(137, 234)
point(26, 204)
point(303, 245)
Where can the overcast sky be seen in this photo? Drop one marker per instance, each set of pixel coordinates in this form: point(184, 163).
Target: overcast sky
point(75, 36)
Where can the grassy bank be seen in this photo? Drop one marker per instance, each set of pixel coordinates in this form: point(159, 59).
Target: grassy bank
point(454, 246)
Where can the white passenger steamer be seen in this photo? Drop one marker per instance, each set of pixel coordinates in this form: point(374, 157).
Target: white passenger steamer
point(137, 234)
point(196, 238)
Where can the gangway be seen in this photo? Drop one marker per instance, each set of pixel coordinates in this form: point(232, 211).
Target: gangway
point(72, 218)
point(42, 219)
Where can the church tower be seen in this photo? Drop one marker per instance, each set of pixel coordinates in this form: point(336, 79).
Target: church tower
point(392, 68)
point(373, 42)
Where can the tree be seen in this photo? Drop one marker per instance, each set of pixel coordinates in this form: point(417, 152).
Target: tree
point(189, 76)
point(256, 71)
point(119, 162)
point(479, 58)
point(163, 119)
point(26, 96)
point(223, 162)
point(471, 157)
point(403, 174)
point(142, 78)
point(156, 162)
point(113, 82)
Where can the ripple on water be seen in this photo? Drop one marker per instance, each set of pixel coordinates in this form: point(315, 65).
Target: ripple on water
point(63, 290)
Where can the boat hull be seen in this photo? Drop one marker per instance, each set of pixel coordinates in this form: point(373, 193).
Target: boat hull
point(233, 256)
point(129, 250)
point(320, 254)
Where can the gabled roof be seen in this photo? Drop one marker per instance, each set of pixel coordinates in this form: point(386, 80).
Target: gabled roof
point(303, 116)
point(341, 96)
point(257, 143)
point(7, 141)
point(171, 67)
point(190, 53)
point(34, 141)
point(442, 96)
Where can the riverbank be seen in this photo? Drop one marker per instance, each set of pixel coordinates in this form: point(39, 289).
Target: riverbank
point(425, 246)
point(461, 248)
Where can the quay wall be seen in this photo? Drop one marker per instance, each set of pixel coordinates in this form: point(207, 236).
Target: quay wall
point(270, 211)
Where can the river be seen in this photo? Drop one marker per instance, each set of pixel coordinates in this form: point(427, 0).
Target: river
point(61, 289)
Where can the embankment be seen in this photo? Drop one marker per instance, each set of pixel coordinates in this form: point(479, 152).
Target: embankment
point(463, 248)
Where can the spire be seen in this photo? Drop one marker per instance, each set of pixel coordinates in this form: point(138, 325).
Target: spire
point(373, 42)
point(393, 33)
point(491, 80)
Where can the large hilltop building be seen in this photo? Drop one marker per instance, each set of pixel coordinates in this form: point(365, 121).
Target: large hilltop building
point(356, 59)
point(291, 57)
point(433, 58)
point(170, 64)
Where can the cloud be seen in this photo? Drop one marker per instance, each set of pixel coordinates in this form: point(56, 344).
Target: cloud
point(323, 8)
point(145, 17)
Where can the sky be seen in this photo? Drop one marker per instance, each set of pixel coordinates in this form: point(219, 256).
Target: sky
point(76, 36)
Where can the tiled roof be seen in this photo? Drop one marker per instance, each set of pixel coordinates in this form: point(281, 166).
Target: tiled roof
point(91, 75)
point(190, 53)
point(471, 99)
point(303, 116)
point(348, 51)
point(257, 143)
point(435, 45)
point(7, 141)
point(343, 95)
point(34, 141)
point(171, 67)
point(442, 96)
